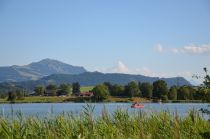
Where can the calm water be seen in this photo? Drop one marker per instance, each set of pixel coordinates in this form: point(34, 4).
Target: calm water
point(42, 109)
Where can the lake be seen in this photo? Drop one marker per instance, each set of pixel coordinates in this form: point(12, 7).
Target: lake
point(43, 109)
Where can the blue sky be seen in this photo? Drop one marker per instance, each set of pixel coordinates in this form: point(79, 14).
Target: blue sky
point(151, 37)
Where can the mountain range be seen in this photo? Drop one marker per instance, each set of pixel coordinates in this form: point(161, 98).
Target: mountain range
point(50, 71)
point(37, 70)
point(94, 78)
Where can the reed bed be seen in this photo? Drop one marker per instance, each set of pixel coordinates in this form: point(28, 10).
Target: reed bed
point(119, 125)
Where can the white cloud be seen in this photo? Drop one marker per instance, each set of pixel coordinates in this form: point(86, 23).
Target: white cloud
point(158, 48)
point(121, 68)
point(197, 49)
point(188, 49)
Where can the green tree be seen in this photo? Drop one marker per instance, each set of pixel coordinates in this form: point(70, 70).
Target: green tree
point(109, 85)
point(192, 92)
point(164, 98)
point(206, 84)
point(66, 88)
point(203, 91)
point(52, 88)
point(206, 81)
point(11, 96)
point(100, 92)
point(183, 93)
point(75, 88)
point(204, 94)
point(39, 90)
point(172, 94)
point(146, 89)
point(117, 90)
point(132, 89)
point(159, 89)
point(3, 95)
point(200, 94)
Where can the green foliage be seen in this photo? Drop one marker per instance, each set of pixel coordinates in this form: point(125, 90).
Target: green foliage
point(159, 88)
point(100, 92)
point(51, 87)
point(146, 89)
point(164, 98)
point(3, 95)
point(172, 94)
point(119, 125)
point(11, 96)
point(206, 81)
point(117, 90)
point(203, 92)
point(75, 88)
point(132, 89)
point(51, 90)
point(39, 90)
point(183, 93)
point(65, 88)
point(109, 85)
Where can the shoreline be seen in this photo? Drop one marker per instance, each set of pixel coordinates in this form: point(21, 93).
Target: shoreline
point(70, 99)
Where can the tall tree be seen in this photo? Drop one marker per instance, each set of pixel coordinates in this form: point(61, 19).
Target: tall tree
point(203, 91)
point(183, 93)
point(192, 92)
point(117, 90)
point(109, 85)
point(146, 89)
point(11, 96)
point(75, 88)
point(52, 88)
point(206, 81)
point(132, 89)
point(160, 89)
point(39, 90)
point(66, 88)
point(172, 94)
point(100, 92)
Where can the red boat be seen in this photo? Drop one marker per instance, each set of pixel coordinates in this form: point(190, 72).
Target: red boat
point(137, 105)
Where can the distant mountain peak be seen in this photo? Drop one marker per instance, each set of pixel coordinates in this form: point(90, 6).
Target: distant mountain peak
point(37, 70)
point(47, 60)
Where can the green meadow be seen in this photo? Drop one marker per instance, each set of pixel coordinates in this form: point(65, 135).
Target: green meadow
point(86, 88)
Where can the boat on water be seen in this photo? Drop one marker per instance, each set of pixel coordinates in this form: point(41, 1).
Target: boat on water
point(137, 105)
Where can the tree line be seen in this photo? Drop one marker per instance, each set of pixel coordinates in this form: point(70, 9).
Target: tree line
point(41, 90)
point(65, 88)
point(157, 90)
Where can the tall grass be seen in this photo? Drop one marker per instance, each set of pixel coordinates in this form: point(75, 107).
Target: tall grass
point(119, 125)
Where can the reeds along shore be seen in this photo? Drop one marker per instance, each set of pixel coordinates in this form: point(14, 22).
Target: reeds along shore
point(118, 125)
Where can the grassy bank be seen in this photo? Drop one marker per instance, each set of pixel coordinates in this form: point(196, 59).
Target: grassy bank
point(119, 125)
point(56, 99)
point(39, 99)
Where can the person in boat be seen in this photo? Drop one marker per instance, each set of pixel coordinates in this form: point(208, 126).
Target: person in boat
point(137, 105)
